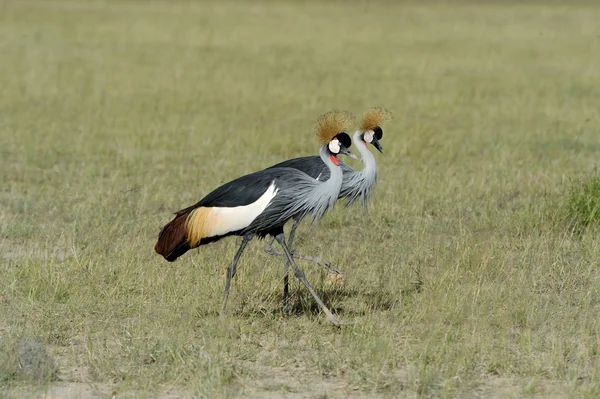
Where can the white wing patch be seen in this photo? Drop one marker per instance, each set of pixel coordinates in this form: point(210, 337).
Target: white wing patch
point(236, 218)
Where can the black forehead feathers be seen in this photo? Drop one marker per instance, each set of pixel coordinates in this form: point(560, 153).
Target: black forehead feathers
point(344, 139)
point(378, 132)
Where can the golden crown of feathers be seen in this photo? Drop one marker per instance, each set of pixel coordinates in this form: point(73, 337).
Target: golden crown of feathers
point(333, 123)
point(373, 117)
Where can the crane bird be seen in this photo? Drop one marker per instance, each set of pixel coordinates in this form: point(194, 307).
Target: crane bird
point(356, 184)
point(259, 204)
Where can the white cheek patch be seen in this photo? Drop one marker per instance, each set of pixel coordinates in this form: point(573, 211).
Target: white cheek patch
point(368, 136)
point(334, 146)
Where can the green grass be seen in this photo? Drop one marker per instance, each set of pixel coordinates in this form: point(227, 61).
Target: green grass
point(583, 207)
point(464, 278)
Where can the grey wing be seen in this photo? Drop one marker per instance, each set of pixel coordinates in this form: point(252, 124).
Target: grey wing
point(312, 166)
point(241, 191)
point(293, 189)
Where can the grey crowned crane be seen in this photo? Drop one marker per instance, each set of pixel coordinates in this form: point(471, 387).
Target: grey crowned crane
point(356, 183)
point(259, 204)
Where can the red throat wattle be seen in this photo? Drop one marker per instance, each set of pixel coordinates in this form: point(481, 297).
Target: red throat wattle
point(334, 160)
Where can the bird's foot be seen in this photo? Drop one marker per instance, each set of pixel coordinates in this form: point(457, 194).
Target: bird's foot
point(327, 265)
point(338, 322)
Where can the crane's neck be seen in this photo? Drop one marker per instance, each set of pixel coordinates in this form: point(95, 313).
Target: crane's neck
point(359, 183)
point(366, 155)
point(313, 196)
point(336, 175)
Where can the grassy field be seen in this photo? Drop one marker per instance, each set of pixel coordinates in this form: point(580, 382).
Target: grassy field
point(473, 274)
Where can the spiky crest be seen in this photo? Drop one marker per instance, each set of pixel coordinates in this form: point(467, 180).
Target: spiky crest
point(333, 123)
point(373, 117)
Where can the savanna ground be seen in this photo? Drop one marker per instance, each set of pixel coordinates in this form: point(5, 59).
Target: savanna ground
point(473, 274)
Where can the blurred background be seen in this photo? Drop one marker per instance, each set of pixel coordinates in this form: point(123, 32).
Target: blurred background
point(474, 272)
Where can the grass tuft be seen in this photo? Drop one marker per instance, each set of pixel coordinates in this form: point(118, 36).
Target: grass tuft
point(583, 204)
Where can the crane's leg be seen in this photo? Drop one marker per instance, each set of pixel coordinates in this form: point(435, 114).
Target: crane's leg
point(293, 234)
point(286, 266)
point(286, 270)
point(286, 289)
point(300, 275)
point(326, 264)
point(232, 269)
point(269, 249)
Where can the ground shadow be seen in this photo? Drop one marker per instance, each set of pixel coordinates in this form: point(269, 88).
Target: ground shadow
point(301, 302)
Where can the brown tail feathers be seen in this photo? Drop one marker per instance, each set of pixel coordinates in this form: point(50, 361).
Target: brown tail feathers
point(172, 240)
point(186, 231)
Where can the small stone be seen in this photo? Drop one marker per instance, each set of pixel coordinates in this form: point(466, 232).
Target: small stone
point(29, 361)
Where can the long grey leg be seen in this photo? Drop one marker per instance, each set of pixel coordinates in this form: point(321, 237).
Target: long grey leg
point(286, 267)
point(286, 289)
point(269, 249)
point(326, 264)
point(232, 269)
point(286, 270)
point(300, 275)
point(293, 234)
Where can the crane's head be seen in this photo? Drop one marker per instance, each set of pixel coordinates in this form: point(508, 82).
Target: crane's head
point(331, 131)
point(370, 126)
point(339, 145)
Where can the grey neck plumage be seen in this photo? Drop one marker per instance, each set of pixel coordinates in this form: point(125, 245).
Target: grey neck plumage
point(309, 196)
point(327, 192)
point(359, 184)
point(315, 197)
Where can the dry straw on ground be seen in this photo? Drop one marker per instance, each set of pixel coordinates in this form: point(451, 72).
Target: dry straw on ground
point(465, 278)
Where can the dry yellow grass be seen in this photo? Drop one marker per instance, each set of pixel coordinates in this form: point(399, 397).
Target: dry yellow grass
point(463, 278)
